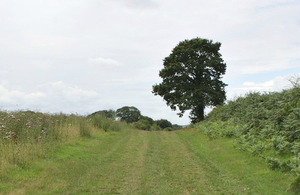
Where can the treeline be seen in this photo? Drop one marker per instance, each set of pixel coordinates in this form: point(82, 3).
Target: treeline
point(263, 124)
point(133, 116)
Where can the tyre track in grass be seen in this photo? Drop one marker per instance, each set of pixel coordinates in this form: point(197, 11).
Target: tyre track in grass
point(123, 175)
point(120, 171)
point(184, 172)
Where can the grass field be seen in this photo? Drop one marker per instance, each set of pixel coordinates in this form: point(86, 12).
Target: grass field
point(145, 162)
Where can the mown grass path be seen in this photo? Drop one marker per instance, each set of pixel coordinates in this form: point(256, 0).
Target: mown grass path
point(142, 162)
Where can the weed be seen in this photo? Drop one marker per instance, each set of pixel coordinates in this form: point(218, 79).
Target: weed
point(26, 135)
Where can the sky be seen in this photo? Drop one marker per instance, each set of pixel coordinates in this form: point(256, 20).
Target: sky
point(82, 56)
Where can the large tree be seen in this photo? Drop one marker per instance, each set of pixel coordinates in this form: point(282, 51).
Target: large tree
point(192, 76)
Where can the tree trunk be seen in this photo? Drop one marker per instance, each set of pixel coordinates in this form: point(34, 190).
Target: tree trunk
point(199, 114)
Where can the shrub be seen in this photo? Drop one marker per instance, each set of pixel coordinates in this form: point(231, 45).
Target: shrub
point(142, 124)
point(168, 129)
point(155, 127)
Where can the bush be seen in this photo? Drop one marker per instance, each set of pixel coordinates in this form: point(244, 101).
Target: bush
point(142, 124)
point(155, 127)
point(168, 129)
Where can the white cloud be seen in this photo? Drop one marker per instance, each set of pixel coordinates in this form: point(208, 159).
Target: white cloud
point(140, 3)
point(249, 83)
point(44, 40)
point(54, 97)
point(104, 61)
point(276, 84)
point(64, 92)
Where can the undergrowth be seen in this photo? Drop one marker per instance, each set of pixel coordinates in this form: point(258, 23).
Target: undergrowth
point(263, 124)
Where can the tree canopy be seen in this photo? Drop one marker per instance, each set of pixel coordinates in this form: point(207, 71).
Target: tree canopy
point(163, 123)
point(128, 114)
point(107, 113)
point(149, 119)
point(192, 76)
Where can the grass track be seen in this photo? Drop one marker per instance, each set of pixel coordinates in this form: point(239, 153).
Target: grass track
point(141, 162)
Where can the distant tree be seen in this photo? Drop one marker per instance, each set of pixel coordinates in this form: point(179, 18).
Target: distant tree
point(176, 127)
point(192, 77)
point(163, 123)
point(128, 114)
point(150, 120)
point(107, 113)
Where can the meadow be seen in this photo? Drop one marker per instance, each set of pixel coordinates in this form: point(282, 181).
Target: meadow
point(70, 154)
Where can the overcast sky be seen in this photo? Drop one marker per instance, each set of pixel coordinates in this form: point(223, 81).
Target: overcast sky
point(81, 56)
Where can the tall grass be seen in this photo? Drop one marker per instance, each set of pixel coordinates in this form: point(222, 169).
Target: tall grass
point(26, 135)
point(107, 124)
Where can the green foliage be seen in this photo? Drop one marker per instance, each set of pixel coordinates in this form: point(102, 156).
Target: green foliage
point(27, 127)
point(100, 121)
point(280, 144)
point(150, 120)
point(264, 124)
point(142, 124)
point(128, 114)
point(296, 148)
point(163, 123)
point(176, 127)
point(158, 125)
point(192, 77)
point(273, 163)
point(117, 126)
point(168, 129)
point(107, 113)
point(106, 124)
point(155, 127)
point(26, 136)
point(85, 129)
